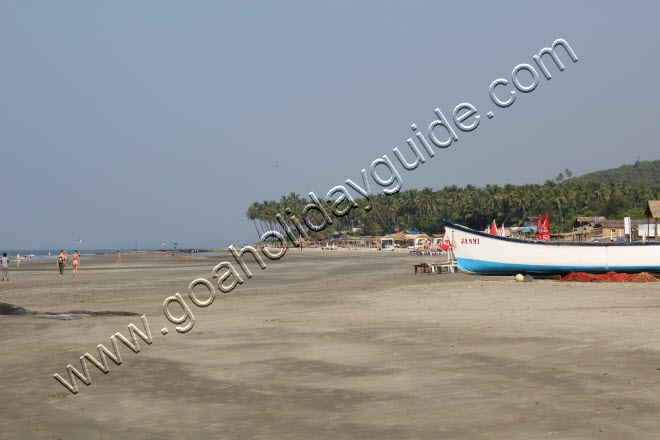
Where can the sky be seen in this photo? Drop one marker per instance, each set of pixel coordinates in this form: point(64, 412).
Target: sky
point(150, 121)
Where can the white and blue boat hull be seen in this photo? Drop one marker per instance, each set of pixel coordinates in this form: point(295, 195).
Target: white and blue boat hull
point(481, 253)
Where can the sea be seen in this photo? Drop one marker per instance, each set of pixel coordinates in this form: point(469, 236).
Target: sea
point(51, 254)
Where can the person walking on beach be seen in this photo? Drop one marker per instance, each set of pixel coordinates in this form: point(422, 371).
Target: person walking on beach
point(18, 260)
point(5, 266)
point(119, 259)
point(60, 263)
point(75, 260)
point(66, 260)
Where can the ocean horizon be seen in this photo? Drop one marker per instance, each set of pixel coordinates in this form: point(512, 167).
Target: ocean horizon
point(46, 254)
point(51, 254)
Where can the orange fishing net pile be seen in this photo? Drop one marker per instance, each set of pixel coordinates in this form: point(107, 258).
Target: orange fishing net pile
point(610, 277)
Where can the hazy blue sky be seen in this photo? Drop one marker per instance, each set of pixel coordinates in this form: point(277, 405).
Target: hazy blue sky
point(148, 121)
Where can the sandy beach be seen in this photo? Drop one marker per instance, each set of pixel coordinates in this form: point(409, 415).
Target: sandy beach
point(332, 345)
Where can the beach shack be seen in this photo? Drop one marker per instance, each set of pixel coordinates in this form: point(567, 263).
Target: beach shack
point(405, 239)
point(387, 240)
point(411, 238)
point(423, 241)
point(616, 228)
point(437, 240)
point(584, 221)
point(371, 241)
point(652, 211)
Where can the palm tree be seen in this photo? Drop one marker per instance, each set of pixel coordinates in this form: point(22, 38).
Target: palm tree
point(522, 202)
point(559, 200)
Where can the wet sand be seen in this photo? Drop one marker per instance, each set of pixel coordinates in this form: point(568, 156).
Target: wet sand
point(332, 345)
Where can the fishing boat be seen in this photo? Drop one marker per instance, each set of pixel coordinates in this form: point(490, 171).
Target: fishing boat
point(481, 253)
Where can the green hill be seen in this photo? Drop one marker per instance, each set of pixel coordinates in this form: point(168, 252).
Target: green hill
point(642, 172)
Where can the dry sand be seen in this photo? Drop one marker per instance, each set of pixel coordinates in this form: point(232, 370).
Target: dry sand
point(333, 345)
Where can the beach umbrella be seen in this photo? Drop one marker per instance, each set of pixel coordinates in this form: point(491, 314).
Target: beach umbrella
point(446, 244)
point(545, 230)
point(493, 228)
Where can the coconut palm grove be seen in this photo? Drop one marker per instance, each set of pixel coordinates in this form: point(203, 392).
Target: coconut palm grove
point(614, 194)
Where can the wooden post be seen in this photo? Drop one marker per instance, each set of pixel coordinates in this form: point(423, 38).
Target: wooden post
point(656, 229)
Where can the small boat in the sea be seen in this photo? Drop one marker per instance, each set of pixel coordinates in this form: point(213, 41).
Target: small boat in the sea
point(481, 253)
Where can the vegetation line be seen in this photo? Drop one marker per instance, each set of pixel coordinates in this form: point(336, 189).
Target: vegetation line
point(614, 194)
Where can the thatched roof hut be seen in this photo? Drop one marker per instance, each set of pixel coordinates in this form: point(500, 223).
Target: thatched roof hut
point(586, 220)
point(652, 209)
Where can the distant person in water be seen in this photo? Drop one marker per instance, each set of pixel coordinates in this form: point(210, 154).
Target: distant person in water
point(60, 263)
point(75, 260)
point(5, 266)
point(118, 259)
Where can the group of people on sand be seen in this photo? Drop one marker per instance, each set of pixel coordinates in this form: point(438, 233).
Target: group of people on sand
point(26, 257)
point(4, 262)
point(63, 262)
